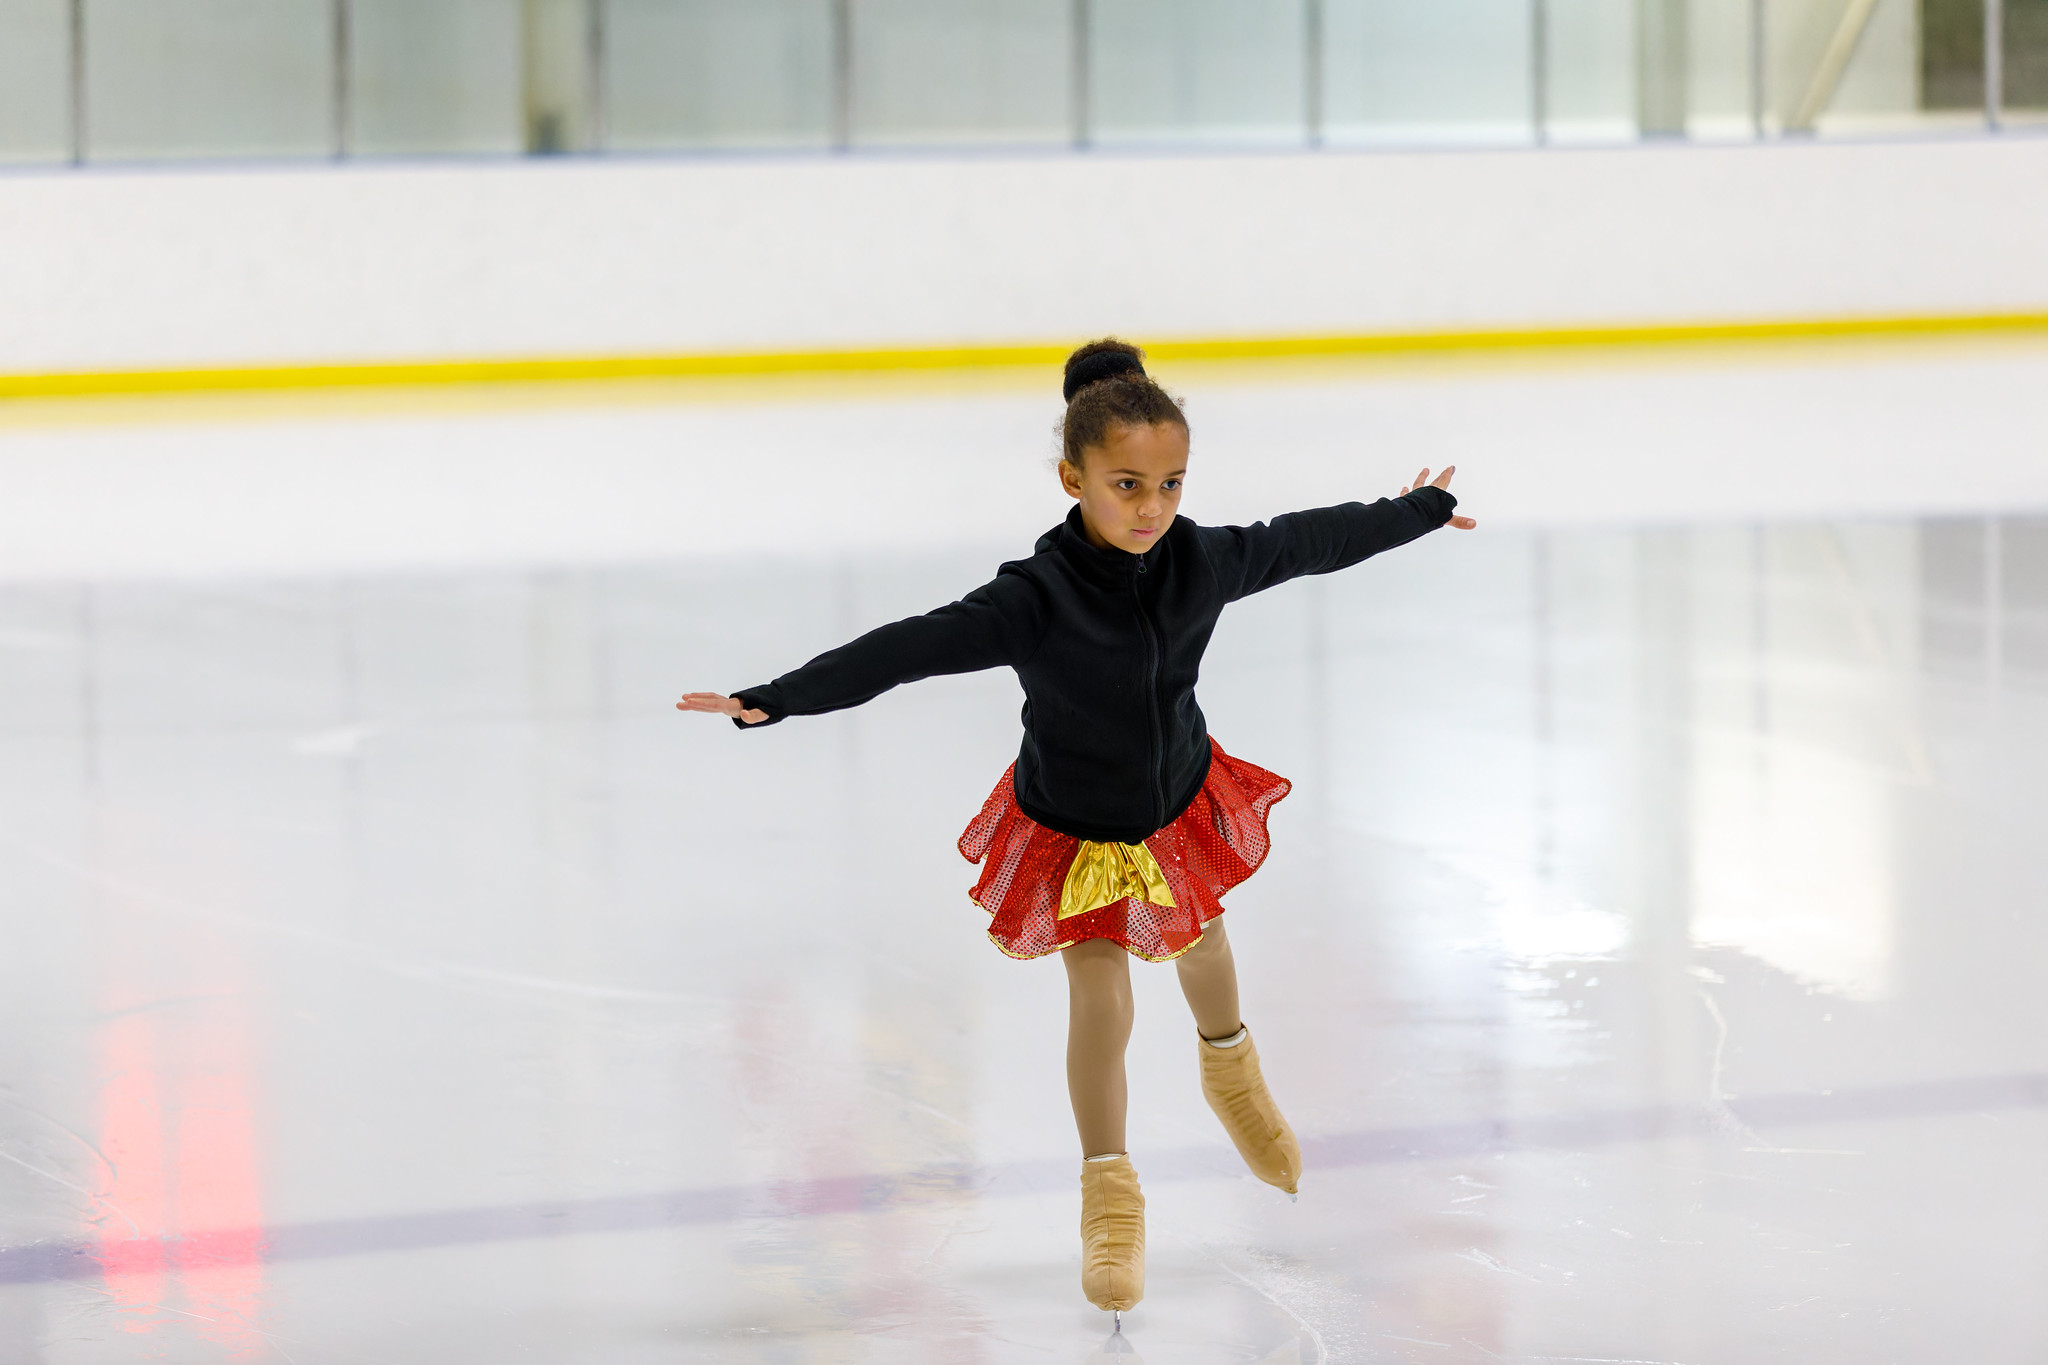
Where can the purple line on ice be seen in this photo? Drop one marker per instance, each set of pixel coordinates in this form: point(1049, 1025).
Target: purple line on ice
point(47, 1261)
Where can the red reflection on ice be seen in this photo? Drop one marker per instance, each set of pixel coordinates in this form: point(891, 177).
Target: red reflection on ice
point(182, 1241)
point(218, 1188)
point(132, 1136)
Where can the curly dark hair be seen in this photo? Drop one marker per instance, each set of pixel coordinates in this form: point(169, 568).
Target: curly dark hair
point(1106, 387)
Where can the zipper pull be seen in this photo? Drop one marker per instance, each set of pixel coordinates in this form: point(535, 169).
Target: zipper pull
point(1141, 563)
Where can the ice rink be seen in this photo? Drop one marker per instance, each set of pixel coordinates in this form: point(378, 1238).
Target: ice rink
point(1650, 956)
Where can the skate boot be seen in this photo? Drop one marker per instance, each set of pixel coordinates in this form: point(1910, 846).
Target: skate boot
point(1235, 1089)
point(1112, 1234)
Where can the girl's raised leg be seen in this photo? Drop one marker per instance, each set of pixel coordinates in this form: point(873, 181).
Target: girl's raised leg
point(1232, 1081)
point(1208, 978)
point(1098, 1028)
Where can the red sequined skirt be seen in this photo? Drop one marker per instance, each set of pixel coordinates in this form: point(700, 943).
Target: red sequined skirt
point(1030, 874)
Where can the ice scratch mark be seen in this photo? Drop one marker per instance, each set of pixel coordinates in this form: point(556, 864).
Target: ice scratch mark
point(96, 1200)
point(1478, 1257)
point(1416, 1341)
point(429, 971)
point(65, 1129)
point(271, 1337)
point(1724, 1119)
point(1807, 1151)
point(345, 742)
point(1322, 1351)
point(919, 1106)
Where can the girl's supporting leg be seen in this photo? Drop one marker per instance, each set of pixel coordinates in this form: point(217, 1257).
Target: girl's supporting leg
point(1208, 978)
point(1098, 1028)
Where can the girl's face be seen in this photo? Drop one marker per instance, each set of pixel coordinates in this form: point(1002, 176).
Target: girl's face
point(1129, 486)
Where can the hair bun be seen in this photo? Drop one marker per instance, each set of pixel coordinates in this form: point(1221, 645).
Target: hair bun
point(1098, 366)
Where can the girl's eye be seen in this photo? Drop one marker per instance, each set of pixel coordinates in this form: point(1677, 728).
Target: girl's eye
point(1127, 484)
point(1170, 485)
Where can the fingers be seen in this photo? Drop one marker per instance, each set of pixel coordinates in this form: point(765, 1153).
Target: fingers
point(1443, 480)
point(718, 704)
point(1420, 479)
point(1463, 523)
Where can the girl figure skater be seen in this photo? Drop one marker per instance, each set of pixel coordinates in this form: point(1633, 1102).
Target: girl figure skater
point(1122, 823)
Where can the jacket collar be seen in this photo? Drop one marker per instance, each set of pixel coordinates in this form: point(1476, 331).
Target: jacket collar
point(1108, 567)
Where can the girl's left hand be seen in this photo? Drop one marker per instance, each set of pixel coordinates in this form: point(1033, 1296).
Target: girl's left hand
point(1442, 481)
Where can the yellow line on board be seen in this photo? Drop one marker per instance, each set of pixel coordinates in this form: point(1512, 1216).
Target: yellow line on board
point(709, 364)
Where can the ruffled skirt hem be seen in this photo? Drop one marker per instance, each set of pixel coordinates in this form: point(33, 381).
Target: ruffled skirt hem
point(1217, 842)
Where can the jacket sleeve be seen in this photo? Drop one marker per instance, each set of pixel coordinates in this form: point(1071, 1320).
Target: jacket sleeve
point(998, 623)
point(1250, 559)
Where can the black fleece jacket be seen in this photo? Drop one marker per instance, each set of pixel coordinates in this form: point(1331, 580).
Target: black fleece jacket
point(1108, 645)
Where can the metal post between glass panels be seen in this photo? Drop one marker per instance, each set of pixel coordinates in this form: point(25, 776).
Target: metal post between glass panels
point(1539, 71)
point(842, 75)
point(1078, 75)
point(1994, 64)
point(1312, 70)
point(1759, 76)
point(344, 76)
point(593, 76)
point(76, 78)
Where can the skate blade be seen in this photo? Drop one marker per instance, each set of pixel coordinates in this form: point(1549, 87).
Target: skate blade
point(1118, 1346)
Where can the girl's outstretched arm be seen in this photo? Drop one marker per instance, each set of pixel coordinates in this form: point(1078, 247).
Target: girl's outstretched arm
point(718, 704)
point(998, 623)
point(1249, 559)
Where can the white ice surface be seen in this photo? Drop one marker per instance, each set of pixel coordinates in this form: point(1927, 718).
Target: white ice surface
point(1649, 954)
point(274, 485)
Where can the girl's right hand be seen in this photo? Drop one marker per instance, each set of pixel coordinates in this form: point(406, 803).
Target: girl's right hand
point(717, 703)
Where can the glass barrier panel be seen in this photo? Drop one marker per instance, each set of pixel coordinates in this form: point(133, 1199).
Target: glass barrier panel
point(2026, 61)
point(1198, 71)
point(1589, 90)
point(683, 74)
point(1442, 71)
point(208, 78)
point(1721, 76)
point(1952, 55)
point(1847, 67)
point(434, 78)
point(930, 71)
point(35, 80)
point(558, 46)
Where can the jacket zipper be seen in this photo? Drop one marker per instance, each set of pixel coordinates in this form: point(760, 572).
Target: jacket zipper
point(1158, 756)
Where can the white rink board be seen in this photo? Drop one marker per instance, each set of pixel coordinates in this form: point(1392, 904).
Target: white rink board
point(111, 269)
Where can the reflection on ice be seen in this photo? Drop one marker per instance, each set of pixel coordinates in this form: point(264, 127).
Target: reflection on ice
point(1536, 934)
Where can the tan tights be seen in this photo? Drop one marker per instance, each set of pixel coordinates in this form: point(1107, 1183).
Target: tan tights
point(1099, 1024)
